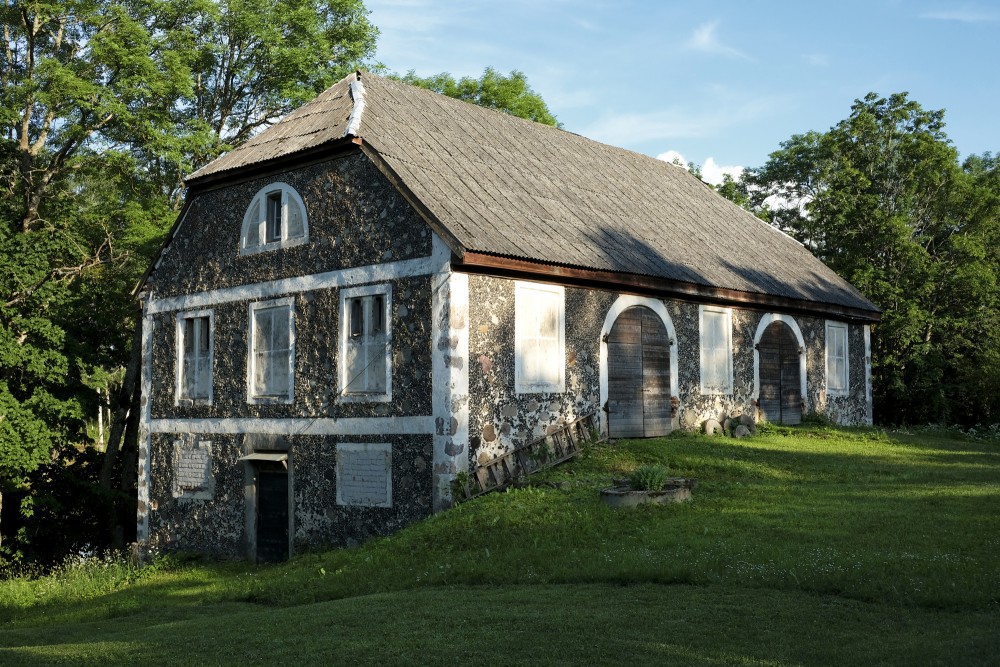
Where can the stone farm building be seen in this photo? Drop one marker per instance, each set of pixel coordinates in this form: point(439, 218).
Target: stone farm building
point(390, 286)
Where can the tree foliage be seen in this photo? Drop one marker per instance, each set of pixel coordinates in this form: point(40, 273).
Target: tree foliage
point(882, 199)
point(105, 105)
point(507, 93)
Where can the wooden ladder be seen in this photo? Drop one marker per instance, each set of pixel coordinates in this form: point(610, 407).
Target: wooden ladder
point(538, 454)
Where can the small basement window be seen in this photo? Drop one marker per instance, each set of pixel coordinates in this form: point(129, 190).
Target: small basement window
point(276, 218)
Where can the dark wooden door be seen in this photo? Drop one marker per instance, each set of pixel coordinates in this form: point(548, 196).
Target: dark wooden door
point(638, 375)
point(780, 396)
point(272, 515)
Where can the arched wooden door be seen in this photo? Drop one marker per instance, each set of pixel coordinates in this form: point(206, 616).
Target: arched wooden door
point(638, 375)
point(780, 389)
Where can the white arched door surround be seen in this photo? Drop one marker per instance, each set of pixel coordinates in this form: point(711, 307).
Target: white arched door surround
point(765, 322)
point(620, 305)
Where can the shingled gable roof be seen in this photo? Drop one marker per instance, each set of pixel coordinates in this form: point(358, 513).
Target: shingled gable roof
point(502, 188)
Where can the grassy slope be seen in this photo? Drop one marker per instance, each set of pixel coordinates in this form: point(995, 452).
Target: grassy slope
point(800, 546)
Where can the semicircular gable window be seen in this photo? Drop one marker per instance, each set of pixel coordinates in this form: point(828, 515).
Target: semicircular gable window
point(276, 218)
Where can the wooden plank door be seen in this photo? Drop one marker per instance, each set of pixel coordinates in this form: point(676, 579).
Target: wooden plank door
point(780, 396)
point(638, 375)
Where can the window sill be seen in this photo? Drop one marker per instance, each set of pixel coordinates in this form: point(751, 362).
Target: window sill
point(274, 245)
point(270, 400)
point(364, 398)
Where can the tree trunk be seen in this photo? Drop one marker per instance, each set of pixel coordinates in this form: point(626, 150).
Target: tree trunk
point(128, 403)
point(100, 422)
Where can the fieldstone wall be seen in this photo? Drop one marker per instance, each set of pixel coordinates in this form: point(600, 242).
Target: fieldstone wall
point(206, 525)
point(500, 419)
point(217, 525)
point(317, 348)
point(355, 216)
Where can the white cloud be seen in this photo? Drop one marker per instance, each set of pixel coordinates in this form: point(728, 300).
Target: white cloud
point(713, 173)
point(964, 15)
point(673, 157)
point(816, 59)
point(705, 40)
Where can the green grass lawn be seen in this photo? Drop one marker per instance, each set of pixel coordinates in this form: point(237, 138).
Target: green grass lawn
point(800, 546)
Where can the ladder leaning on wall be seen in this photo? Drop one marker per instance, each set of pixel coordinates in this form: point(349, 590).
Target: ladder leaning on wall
point(545, 452)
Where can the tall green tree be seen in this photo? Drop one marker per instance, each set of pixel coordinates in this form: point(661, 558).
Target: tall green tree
point(105, 105)
point(508, 93)
point(882, 199)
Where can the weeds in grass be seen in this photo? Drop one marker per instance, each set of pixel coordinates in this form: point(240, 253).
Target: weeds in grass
point(650, 477)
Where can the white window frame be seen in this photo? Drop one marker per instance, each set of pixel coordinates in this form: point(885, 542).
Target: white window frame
point(527, 297)
point(182, 317)
point(346, 295)
point(345, 449)
point(252, 397)
point(832, 326)
point(257, 226)
point(727, 388)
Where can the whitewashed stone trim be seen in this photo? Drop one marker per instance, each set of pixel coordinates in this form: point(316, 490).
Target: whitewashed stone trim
point(364, 474)
point(417, 425)
point(869, 408)
point(450, 384)
point(145, 427)
point(765, 322)
point(620, 305)
point(331, 279)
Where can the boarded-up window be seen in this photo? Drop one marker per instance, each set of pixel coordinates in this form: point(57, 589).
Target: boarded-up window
point(716, 350)
point(272, 350)
point(194, 367)
point(837, 379)
point(193, 477)
point(365, 343)
point(539, 338)
point(364, 474)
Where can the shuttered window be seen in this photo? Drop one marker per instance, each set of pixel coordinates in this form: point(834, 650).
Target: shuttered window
point(837, 377)
point(365, 343)
point(194, 356)
point(272, 352)
point(276, 218)
point(539, 338)
point(716, 350)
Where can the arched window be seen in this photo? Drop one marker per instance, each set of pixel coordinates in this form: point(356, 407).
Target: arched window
point(276, 218)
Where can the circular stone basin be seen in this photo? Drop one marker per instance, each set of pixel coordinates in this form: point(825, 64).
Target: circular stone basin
point(675, 490)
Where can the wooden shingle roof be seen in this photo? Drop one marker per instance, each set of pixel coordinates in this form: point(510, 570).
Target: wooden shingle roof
point(503, 186)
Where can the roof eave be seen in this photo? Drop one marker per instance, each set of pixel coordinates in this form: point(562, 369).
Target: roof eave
point(509, 267)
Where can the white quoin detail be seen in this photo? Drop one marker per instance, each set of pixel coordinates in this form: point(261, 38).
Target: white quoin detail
point(358, 95)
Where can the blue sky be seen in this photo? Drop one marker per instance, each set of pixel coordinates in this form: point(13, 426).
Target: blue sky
point(721, 83)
